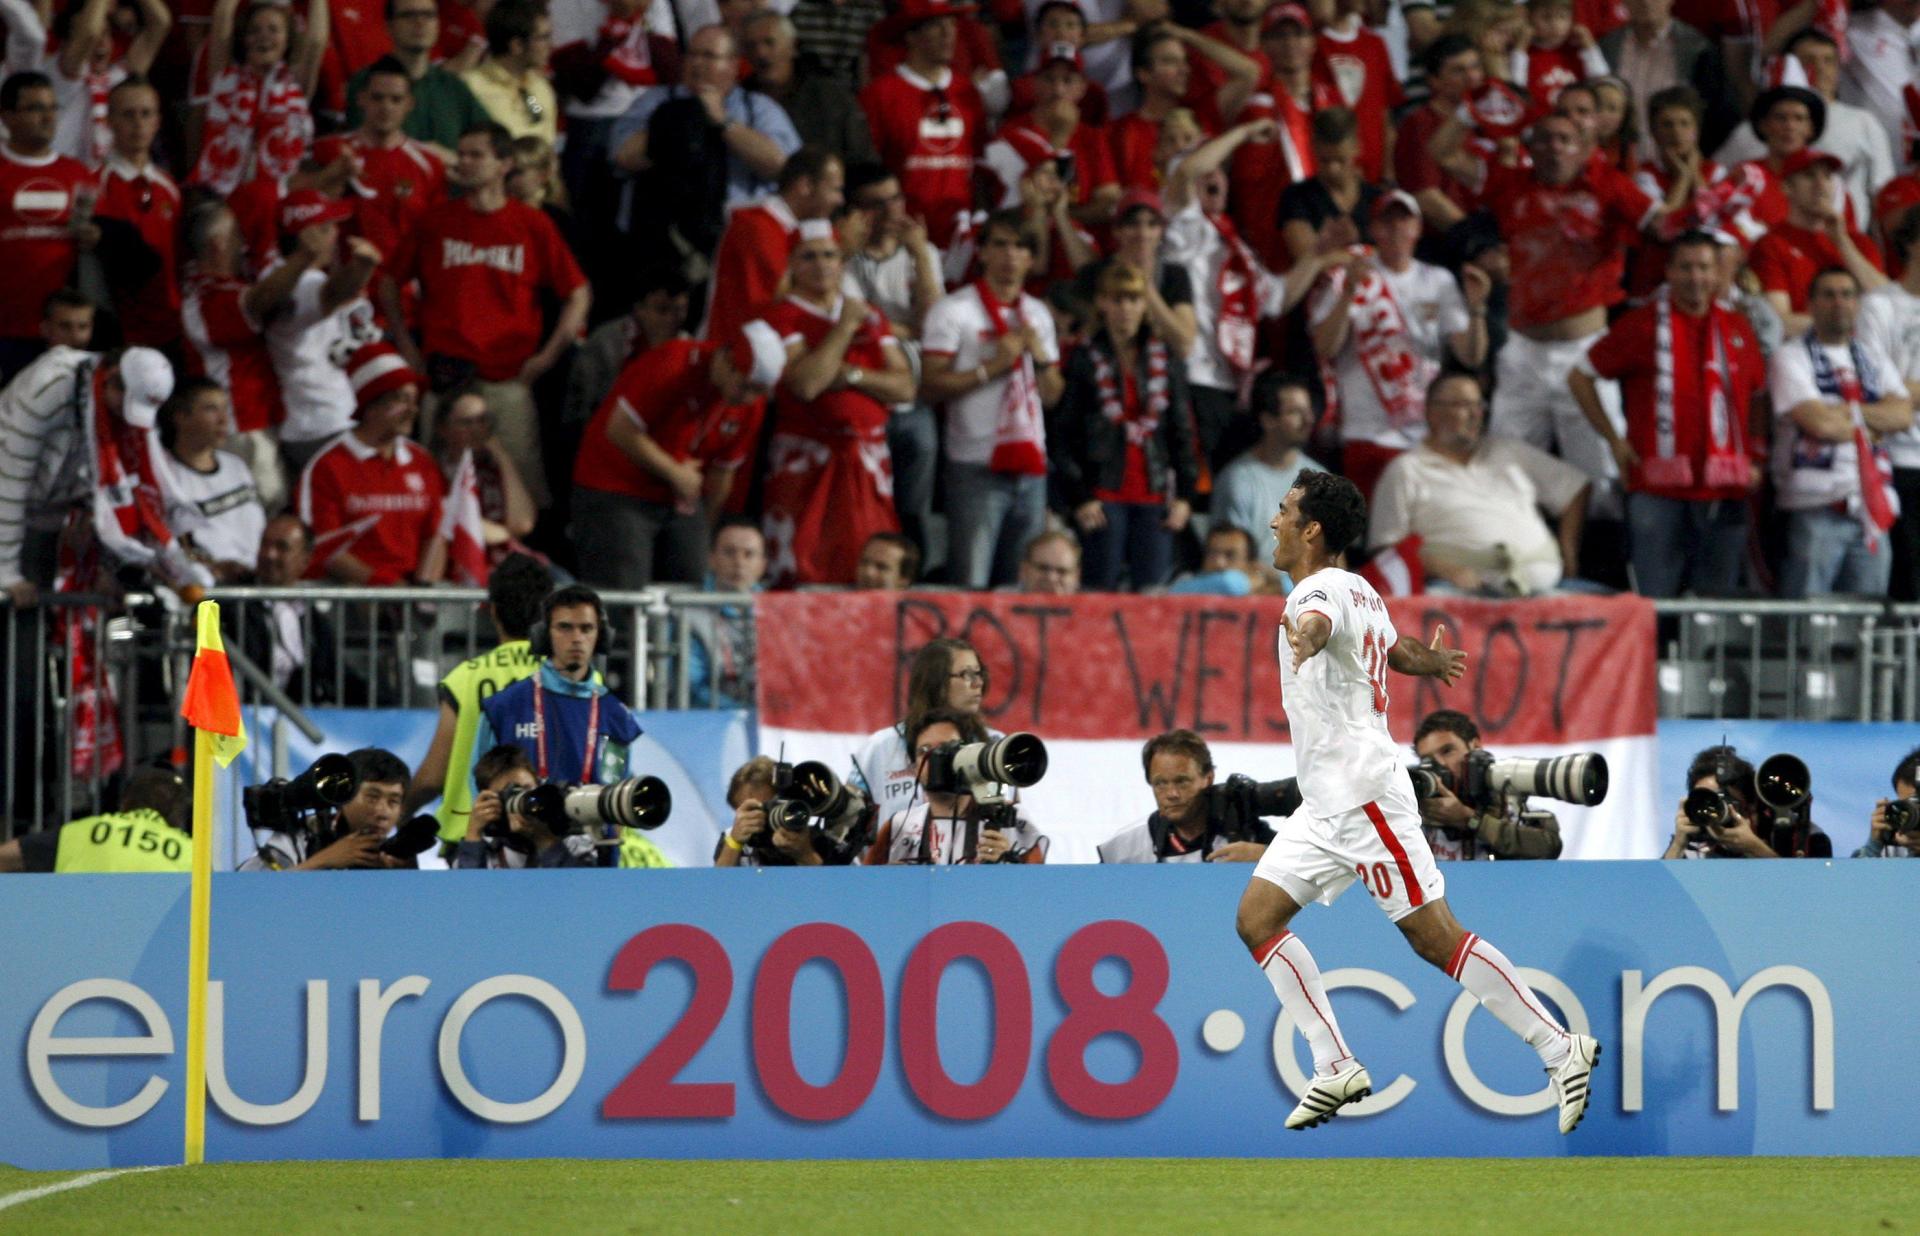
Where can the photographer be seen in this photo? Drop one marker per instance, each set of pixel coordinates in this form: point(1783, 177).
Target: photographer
point(946, 673)
point(148, 833)
point(945, 827)
point(750, 842)
point(1894, 831)
point(1185, 826)
point(1503, 828)
point(1720, 769)
point(525, 843)
point(351, 836)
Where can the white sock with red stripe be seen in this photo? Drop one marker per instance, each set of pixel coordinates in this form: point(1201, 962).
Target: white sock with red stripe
point(1296, 980)
point(1485, 971)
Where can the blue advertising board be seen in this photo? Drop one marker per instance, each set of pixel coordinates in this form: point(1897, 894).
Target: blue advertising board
point(964, 1012)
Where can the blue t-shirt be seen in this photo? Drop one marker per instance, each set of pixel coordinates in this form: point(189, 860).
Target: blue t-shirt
point(508, 716)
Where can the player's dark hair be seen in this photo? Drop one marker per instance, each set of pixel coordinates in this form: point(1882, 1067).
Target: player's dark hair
point(806, 163)
point(496, 134)
point(1433, 387)
point(1693, 239)
point(1141, 46)
point(498, 762)
point(659, 277)
point(1176, 742)
point(1443, 49)
point(379, 766)
point(1685, 97)
point(1070, 5)
point(184, 394)
point(515, 590)
point(1447, 721)
point(66, 298)
point(1014, 223)
point(866, 174)
point(1332, 125)
point(1905, 232)
point(1814, 35)
point(1724, 765)
point(1333, 502)
point(909, 552)
point(18, 84)
point(1908, 769)
point(1829, 271)
point(387, 66)
point(971, 728)
point(132, 81)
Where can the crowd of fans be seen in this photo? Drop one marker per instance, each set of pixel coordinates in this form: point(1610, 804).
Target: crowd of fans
point(1583, 294)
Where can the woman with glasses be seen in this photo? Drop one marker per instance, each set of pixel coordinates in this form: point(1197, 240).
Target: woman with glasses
point(945, 674)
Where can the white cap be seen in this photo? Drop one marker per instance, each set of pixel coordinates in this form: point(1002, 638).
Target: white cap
point(148, 379)
point(816, 229)
point(769, 354)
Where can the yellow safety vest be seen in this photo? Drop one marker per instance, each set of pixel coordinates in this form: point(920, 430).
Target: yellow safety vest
point(637, 851)
point(124, 841)
point(469, 683)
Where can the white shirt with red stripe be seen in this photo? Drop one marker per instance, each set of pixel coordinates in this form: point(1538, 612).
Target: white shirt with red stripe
point(1337, 702)
point(301, 339)
point(36, 248)
point(225, 344)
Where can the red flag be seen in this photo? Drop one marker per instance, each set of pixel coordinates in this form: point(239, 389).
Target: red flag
point(1396, 571)
point(463, 528)
point(212, 704)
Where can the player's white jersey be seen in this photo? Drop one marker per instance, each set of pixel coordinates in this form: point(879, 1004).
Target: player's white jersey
point(1337, 702)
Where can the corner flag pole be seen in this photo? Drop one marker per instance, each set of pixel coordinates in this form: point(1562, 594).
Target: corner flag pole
point(212, 707)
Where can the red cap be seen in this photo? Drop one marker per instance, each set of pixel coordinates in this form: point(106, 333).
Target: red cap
point(1295, 13)
point(912, 12)
point(1807, 158)
point(1134, 199)
point(305, 208)
point(1063, 53)
point(374, 370)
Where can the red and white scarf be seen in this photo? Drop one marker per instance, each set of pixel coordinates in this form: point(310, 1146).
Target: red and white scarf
point(257, 125)
point(1237, 287)
point(131, 503)
point(626, 51)
point(1020, 436)
point(1726, 455)
point(1398, 374)
point(1875, 502)
point(1145, 421)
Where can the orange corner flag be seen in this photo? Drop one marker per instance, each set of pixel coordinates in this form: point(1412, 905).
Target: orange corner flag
point(212, 704)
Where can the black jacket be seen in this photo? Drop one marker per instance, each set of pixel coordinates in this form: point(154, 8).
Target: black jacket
point(1089, 452)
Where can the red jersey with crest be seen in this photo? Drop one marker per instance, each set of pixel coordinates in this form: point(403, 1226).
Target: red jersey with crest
point(1361, 67)
point(929, 134)
point(667, 393)
point(1568, 243)
point(481, 275)
point(36, 249)
point(1204, 77)
point(1788, 257)
point(747, 266)
point(383, 511)
point(148, 199)
point(408, 181)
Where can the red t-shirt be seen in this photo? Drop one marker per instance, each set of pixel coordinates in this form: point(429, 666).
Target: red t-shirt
point(460, 28)
point(1204, 77)
point(666, 391)
point(1551, 70)
point(480, 281)
point(36, 250)
point(1093, 104)
point(356, 37)
point(748, 265)
point(149, 200)
point(1360, 66)
point(1788, 257)
point(1603, 17)
point(385, 512)
point(1132, 139)
point(408, 183)
point(929, 136)
point(1567, 243)
point(1627, 354)
point(973, 50)
point(226, 345)
point(834, 414)
point(1414, 168)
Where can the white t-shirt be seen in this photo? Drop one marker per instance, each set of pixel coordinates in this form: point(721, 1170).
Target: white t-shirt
point(300, 340)
point(1890, 322)
point(1337, 702)
point(1881, 66)
point(958, 327)
point(886, 768)
point(1806, 472)
point(219, 511)
point(910, 838)
point(1433, 308)
point(1474, 509)
point(1194, 242)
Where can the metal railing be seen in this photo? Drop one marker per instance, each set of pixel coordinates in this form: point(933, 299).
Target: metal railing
point(93, 683)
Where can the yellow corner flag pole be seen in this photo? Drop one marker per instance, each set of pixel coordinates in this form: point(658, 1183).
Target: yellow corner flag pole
point(212, 707)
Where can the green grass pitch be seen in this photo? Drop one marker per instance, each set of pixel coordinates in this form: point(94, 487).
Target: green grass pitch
point(1376, 1196)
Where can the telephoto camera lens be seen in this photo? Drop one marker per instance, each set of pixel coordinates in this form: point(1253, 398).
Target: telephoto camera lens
point(1707, 808)
point(1017, 759)
point(543, 804)
point(1579, 778)
point(330, 782)
point(1782, 781)
point(414, 837)
point(637, 802)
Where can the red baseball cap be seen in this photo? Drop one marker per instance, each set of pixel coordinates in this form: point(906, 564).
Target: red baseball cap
point(1806, 159)
point(305, 208)
point(1063, 53)
point(1295, 13)
point(1135, 199)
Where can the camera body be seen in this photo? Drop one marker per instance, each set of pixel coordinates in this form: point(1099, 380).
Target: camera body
point(986, 770)
point(1236, 806)
point(807, 796)
point(1903, 815)
point(294, 805)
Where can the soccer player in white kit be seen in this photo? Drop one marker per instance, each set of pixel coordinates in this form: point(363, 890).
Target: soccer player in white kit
point(1360, 819)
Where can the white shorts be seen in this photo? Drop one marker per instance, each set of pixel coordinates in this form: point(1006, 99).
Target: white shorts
point(1380, 844)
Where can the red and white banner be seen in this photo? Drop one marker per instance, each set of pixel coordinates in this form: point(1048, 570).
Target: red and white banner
point(1098, 675)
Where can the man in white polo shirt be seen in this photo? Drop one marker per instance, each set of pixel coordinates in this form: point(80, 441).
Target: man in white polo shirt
point(328, 306)
point(989, 353)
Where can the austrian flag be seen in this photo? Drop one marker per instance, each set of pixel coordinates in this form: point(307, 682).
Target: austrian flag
point(212, 704)
point(463, 528)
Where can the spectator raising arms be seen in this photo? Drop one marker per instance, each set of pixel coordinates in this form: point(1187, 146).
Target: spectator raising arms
point(256, 119)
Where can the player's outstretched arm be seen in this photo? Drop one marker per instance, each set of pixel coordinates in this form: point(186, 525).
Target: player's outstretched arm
point(1434, 660)
point(1306, 636)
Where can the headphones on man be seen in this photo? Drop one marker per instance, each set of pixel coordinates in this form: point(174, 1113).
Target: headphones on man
point(540, 639)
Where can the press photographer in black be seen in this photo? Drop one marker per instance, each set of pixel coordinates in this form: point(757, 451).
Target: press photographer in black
point(1502, 826)
point(1193, 819)
point(1734, 810)
point(958, 818)
point(1894, 829)
point(335, 816)
point(496, 838)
